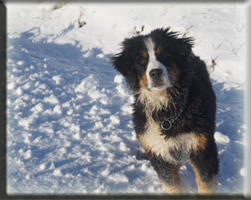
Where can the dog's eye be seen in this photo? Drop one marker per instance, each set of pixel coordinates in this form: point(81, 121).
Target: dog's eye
point(142, 61)
point(164, 55)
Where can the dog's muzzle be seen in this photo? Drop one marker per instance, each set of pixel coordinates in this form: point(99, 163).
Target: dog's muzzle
point(156, 77)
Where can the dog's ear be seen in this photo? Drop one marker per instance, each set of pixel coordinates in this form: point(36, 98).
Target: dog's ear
point(183, 47)
point(123, 63)
point(120, 63)
point(184, 54)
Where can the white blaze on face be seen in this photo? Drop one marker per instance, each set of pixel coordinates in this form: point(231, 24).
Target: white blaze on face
point(155, 64)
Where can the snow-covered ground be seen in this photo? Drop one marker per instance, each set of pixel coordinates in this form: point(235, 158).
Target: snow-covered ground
point(69, 124)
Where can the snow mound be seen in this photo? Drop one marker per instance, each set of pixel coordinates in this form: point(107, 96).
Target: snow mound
point(220, 138)
point(118, 178)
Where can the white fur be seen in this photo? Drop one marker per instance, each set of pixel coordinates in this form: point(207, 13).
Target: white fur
point(154, 64)
point(157, 144)
point(153, 100)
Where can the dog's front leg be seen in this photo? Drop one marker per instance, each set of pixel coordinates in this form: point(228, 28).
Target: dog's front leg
point(206, 166)
point(168, 174)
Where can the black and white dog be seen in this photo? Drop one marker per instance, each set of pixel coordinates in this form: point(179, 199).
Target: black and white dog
point(174, 108)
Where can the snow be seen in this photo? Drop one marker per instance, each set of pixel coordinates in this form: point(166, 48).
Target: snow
point(69, 123)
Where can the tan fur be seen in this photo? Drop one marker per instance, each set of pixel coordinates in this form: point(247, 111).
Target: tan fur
point(201, 142)
point(143, 53)
point(172, 189)
point(143, 81)
point(159, 49)
point(173, 73)
point(205, 188)
point(177, 189)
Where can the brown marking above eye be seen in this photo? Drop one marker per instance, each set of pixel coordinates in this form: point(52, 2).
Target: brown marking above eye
point(159, 49)
point(143, 53)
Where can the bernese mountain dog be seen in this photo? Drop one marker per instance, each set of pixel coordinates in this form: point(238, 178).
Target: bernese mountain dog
point(174, 108)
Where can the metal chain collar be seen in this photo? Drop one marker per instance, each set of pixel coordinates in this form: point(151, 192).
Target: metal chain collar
point(176, 117)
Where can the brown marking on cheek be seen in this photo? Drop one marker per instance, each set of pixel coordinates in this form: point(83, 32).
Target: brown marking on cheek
point(177, 71)
point(143, 81)
point(203, 187)
point(159, 49)
point(174, 73)
point(143, 53)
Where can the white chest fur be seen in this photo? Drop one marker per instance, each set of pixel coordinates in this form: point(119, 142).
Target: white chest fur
point(153, 141)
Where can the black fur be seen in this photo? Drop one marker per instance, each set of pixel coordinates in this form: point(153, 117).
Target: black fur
point(199, 115)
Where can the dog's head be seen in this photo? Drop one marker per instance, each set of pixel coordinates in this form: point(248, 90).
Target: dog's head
point(155, 61)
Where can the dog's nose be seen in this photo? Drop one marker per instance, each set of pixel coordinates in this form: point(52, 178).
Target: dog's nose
point(155, 74)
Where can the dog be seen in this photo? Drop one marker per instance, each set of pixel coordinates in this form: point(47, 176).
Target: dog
point(174, 108)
